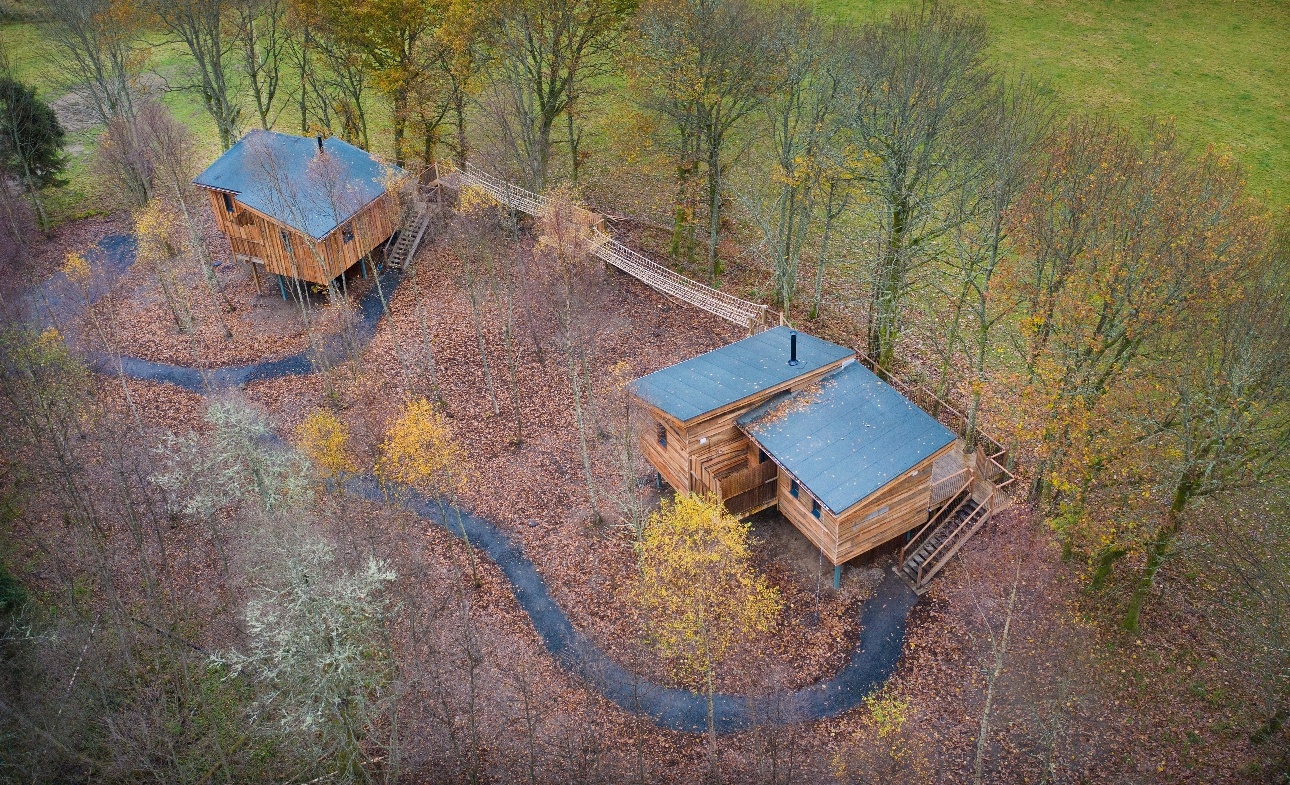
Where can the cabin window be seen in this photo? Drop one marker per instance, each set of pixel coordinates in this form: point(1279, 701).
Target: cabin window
point(347, 233)
point(762, 457)
point(815, 507)
point(792, 488)
point(228, 203)
point(286, 239)
point(662, 436)
point(876, 513)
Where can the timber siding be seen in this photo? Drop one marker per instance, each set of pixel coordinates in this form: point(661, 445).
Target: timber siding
point(850, 442)
point(254, 235)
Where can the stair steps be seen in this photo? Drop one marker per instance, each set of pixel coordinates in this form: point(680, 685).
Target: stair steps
point(409, 239)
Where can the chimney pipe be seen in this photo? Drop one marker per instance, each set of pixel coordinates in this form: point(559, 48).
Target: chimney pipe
point(319, 138)
point(792, 348)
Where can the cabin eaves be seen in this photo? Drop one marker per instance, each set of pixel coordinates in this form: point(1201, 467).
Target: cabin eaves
point(723, 376)
point(846, 436)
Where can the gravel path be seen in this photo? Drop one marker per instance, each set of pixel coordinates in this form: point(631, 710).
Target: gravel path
point(882, 617)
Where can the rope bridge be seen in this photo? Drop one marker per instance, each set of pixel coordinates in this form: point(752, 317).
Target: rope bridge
point(748, 315)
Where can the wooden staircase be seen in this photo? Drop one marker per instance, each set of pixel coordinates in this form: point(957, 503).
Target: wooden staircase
point(409, 237)
point(932, 546)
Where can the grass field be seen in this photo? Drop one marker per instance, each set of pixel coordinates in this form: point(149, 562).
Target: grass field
point(1220, 69)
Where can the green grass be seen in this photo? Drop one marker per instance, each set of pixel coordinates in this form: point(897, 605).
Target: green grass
point(1220, 70)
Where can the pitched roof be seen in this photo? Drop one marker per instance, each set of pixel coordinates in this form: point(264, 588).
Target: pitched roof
point(711, 381)
point(284, 177)
point(846, 436)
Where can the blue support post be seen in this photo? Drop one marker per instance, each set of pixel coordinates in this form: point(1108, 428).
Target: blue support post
point(837, 576)
point(362, 265)
point(282, 287)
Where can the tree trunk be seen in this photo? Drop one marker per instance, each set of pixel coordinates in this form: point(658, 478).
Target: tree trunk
point(459, 111)
point(400, 123)
point(992, 679)
point(1157, 552)
point(714, 208)
point(713, 773)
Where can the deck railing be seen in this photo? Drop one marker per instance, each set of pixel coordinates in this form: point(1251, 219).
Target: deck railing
point(752, 316)
point(996, 455)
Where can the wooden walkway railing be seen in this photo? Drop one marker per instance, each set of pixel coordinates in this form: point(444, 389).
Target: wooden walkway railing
point(749, 315)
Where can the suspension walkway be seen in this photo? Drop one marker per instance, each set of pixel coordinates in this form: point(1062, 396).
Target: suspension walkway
point(751, 316)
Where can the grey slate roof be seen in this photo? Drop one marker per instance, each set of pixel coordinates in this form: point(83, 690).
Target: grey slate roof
point(283, 177)
point(722, 376)
point(846, 436)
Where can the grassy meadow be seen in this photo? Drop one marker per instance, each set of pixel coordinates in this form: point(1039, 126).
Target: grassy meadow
point(1221, 71)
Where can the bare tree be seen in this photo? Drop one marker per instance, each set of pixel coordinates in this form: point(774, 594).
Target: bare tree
point(573, 281)
point(544, 53)
point(1035, 660)
point(1005, 150)
point(703, 65)
point(813, 84)
point(317, 653)
point(922, 75)
point(96, 45)
point(262, 36)
point(201, 25)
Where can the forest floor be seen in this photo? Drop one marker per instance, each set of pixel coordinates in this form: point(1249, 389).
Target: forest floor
point(1109, 726)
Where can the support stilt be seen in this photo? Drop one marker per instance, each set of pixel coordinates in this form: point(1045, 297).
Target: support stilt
point(256, 275)
point(282, 287)
point(837, 576)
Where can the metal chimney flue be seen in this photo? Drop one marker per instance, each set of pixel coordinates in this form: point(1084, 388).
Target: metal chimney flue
point(792, 348)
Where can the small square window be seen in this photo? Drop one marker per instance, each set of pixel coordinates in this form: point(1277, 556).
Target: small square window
point(347, 233)
point(762, 457)
point(228, 203)
point(286, 239)
point(792, 488)
point(815, 507)
point(662, 436)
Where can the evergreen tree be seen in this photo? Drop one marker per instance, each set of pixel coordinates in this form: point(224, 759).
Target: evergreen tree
point(31, 141)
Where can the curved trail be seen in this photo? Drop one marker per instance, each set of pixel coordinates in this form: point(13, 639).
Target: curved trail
point(882, 617)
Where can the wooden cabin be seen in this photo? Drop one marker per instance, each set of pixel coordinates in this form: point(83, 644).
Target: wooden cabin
point(299, 207)
point(789, 420)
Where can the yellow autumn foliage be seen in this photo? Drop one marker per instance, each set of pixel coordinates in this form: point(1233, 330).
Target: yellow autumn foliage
point(473, 199)
point(419, 452)
point(324, 439)
point(698, 587)
point(76, 267)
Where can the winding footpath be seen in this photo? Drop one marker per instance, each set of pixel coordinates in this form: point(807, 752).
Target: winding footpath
point(882, 617)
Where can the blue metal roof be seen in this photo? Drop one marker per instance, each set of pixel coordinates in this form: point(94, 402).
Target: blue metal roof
point(722, 376)
point(283, 177)
point(846, 436)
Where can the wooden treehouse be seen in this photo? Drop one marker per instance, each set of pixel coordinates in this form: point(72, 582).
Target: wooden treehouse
point(789, 420)
point(302, 208)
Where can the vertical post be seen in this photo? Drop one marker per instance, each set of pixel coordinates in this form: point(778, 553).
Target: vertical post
point(362, 266)
point(282, 287)
point(256, 275)
point(837, 576)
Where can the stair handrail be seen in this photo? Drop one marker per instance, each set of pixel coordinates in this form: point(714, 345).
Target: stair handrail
point(942, 515)
point(982, 514)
